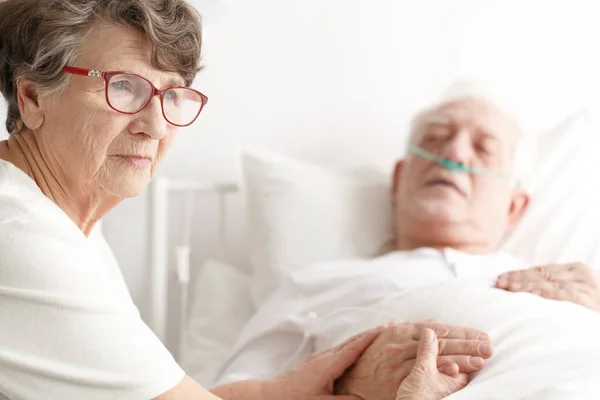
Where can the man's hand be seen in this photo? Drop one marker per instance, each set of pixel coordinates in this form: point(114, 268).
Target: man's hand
point(391, 357)
point(576, 283)
point(425, 382)
point(314, 379)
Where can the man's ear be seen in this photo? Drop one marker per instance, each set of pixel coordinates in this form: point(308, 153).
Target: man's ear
point(30, 108)
point(519, 204)
point(396, 178)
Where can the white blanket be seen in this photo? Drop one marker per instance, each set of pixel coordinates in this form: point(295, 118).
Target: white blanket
point(544, 349)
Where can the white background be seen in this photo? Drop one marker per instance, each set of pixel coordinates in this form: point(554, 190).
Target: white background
point(335, 81)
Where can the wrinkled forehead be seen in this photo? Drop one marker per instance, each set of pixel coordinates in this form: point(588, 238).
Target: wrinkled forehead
point(112, 47)
point(477, 115)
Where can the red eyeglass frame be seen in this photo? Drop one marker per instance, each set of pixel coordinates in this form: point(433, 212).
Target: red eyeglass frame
point(107, 75)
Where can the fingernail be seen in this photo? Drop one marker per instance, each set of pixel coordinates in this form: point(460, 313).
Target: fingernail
point(538, 292)
point(502, 282)
point(476, 361)
point(393, 324)
point(484, 336)
point(485, 349)
point(429, 336)
point(515, 286)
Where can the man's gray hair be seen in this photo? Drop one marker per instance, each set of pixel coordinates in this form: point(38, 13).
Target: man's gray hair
point(39, 37)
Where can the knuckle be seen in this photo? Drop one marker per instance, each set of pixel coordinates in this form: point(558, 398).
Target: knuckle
point(441, 330)
point(391, 350)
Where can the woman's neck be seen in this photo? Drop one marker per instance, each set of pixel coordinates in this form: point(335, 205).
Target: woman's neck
point(82, 204)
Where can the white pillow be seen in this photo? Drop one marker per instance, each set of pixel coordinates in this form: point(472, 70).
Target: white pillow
point(563, 222)
point(300, 213)
point(220, 306)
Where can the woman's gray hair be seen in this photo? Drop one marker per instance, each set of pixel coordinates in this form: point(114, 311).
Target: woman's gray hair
point(39, 37)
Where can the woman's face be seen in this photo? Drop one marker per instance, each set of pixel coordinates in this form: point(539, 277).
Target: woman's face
point(88, 144)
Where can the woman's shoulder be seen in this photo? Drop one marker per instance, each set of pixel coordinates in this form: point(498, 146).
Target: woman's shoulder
point(36, 237)
point(21, 198)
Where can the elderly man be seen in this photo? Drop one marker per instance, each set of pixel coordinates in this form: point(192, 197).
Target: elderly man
point(456, 195)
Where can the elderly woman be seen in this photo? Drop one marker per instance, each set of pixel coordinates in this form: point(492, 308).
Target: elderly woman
point(96, 91)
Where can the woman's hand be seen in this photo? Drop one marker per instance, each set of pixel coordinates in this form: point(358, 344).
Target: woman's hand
point(314, 379)
point(425, 382)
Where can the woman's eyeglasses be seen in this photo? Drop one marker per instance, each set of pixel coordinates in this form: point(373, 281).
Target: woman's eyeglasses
point(129, 93)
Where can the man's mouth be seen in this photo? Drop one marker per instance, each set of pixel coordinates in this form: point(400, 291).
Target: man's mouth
point(441, 182)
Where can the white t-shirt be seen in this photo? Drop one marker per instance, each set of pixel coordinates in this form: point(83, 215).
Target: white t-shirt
point(68, 327)
point(317, 305)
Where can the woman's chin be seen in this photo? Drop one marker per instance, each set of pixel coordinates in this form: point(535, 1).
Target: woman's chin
point(127, 188)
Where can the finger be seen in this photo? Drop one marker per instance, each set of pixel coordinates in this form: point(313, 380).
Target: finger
point(449, 331)
point(398, 353)
point(531, 274)
point(534, 287)
point(451, 370)
point(348, 352)
point(372, 334)
point(427, 351)
point(466, 347)
point(465, 364)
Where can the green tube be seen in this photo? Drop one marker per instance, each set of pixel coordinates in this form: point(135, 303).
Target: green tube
point(457, 166)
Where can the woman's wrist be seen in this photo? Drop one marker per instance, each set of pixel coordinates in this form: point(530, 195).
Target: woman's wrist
point(272, 389)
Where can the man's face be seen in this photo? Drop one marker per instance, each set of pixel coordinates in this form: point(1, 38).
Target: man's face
point(477, 134)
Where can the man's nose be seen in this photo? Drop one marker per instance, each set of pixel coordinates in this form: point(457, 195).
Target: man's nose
point(459, 148)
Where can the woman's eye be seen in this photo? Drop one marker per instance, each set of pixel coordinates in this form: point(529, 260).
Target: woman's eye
point(121, 85)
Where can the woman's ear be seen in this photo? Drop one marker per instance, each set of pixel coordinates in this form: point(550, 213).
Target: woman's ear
point(396, 179)
point(32, 113)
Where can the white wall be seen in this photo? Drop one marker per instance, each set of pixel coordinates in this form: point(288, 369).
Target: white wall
point(336, 80)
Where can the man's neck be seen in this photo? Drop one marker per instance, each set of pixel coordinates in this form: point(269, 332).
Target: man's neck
point(83, 205)
point(439, 240)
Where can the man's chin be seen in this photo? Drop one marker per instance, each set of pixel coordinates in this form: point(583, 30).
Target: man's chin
point(440, 213)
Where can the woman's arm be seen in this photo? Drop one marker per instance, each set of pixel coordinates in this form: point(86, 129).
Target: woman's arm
point(315, 377)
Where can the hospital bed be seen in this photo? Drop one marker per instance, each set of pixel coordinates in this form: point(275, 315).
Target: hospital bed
point(298, 213)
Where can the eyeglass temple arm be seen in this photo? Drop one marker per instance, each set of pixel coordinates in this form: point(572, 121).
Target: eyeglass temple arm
point(83, 71)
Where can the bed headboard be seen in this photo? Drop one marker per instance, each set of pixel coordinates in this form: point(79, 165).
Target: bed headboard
point(158, 242)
